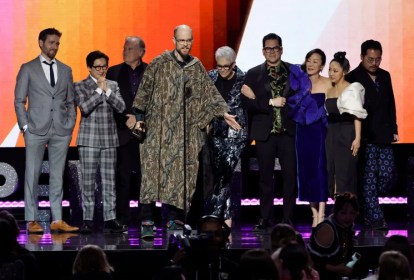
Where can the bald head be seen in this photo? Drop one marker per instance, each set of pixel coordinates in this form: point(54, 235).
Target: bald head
point(182, 27)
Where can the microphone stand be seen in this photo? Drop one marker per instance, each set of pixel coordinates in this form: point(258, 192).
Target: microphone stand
point(186, 94)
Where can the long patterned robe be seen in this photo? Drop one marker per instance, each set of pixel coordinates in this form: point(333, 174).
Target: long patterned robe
point(160, 96)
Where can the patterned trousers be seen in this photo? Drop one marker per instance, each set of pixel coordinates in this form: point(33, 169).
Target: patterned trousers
point(379, 177)
point(93, 160)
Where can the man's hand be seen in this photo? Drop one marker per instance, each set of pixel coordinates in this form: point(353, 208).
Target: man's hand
point(130, 123)
point(248, 92)
point(140, 125)
point(278, 102)
point(101, 81)
point(231, 121)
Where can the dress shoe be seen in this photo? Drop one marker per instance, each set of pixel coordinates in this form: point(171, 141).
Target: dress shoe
point(113, 226)
point(263, 225)
point(62, 226)
point(34, 228)
point(147, 229)
point(87, 227)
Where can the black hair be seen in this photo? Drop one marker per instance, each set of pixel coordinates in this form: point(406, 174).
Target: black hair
point(370, 44)
point(310, 53)
point(257, 264)
point(90, 59)
point(401, 244)
point(345, 198)
point(272, 36)
point(342, 60)
point(213, 218)
point(295, 259)
point(49, 31)
point(6, 215)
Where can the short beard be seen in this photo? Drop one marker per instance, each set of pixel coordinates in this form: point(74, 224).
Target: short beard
point(183, 56)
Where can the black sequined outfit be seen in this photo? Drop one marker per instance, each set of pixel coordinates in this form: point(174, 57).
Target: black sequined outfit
point(226, 144)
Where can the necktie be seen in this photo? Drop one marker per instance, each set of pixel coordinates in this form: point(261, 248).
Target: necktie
point(52, 75)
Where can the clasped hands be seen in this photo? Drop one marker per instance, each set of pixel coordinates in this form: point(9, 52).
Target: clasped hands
point(101, 81)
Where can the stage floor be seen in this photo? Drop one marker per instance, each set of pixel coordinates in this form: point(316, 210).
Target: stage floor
point(134, 258)
point(242, 237)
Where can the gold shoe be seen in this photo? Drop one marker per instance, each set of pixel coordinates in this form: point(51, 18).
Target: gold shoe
point(62, 226)
point(34, 227)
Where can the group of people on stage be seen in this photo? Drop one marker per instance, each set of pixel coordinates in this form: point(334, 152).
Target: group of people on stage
point(314, 125)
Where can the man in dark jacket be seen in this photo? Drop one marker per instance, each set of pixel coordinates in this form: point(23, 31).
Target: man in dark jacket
point(265, 92)
point(379, 130)
point(128, 75)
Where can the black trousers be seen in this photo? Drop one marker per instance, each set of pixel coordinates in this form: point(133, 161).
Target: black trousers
point(280, 146)
point(128, 178)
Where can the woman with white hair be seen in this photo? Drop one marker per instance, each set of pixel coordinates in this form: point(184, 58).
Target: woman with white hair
point(225, 143)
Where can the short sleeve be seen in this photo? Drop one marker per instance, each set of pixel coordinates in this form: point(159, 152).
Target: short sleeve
point(351, 101)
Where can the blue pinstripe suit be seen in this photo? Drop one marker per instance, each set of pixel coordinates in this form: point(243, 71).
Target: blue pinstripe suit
point(97, 141)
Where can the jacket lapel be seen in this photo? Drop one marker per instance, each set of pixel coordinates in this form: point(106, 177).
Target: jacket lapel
point(38, 71)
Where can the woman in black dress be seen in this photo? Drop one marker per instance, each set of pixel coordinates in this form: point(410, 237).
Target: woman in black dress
point(344, 104)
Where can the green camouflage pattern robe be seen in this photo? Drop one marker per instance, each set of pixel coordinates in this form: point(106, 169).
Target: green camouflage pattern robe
point(160, 97)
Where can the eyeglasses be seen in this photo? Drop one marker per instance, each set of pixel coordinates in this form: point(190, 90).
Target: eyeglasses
point(272, 49)
point(99, 68)
point(183, 41)
point(372, 60)
point(224, 67)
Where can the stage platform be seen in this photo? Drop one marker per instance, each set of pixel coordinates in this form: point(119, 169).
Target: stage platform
point(134, 258)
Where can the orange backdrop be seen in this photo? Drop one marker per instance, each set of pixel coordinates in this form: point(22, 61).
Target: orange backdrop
point(89, 25)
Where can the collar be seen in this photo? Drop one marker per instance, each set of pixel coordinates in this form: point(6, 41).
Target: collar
point(95, 80)
point(42, 58)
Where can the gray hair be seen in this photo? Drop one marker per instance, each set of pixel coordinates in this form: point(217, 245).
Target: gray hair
point(137, 39)
point(140, 42)
point(226, 52)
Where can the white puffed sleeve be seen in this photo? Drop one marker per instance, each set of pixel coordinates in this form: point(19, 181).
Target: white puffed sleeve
point(351, 101)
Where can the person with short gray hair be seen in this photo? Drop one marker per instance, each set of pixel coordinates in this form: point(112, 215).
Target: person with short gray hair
point(225, 143)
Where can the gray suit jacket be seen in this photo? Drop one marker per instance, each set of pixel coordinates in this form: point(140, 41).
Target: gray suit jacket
point(97, 126)
point(46, 104)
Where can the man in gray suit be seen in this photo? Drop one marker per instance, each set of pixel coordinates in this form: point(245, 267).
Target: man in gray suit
point(46, 85)
point(98, 99)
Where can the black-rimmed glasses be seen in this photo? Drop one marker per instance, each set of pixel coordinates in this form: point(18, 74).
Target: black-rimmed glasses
point(99, 68)
point(272, 49)
point(224, 67)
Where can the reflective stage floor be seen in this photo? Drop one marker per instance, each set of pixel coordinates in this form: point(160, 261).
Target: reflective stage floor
point(134, 258)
